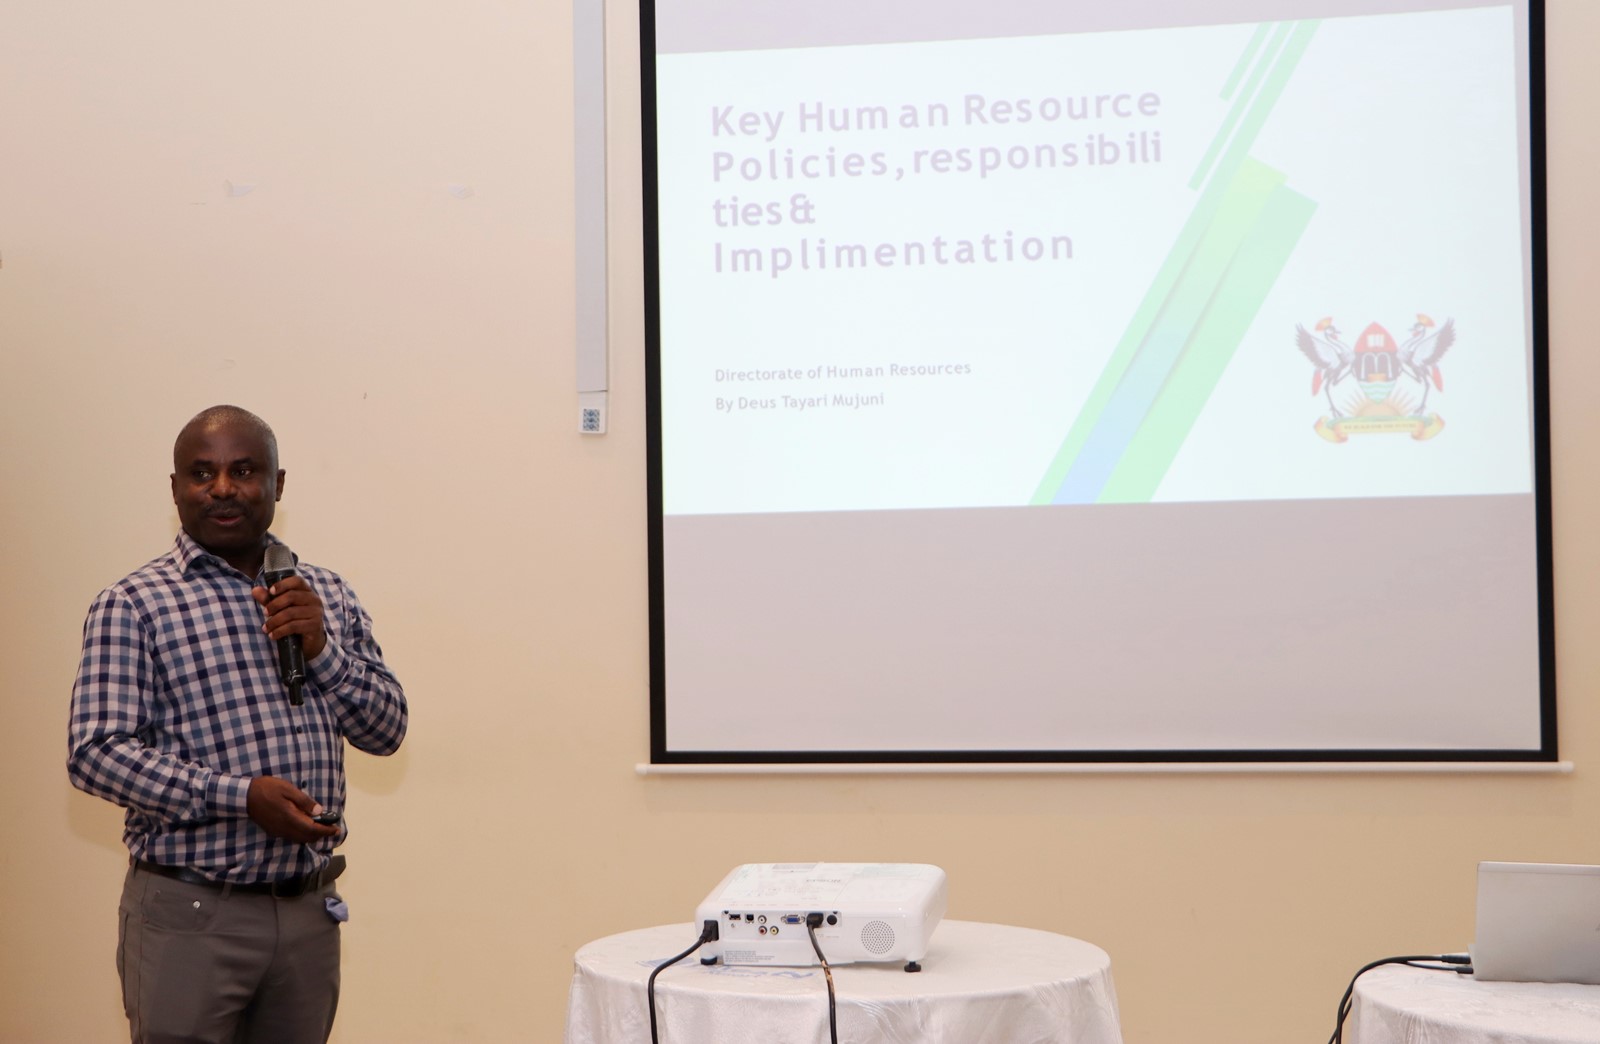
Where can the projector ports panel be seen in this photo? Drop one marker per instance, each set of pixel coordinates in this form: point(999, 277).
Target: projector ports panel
point(747, 924)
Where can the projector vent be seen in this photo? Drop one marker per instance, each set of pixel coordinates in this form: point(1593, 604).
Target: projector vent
point(877, 937)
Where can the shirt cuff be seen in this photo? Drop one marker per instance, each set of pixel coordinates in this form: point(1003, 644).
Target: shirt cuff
point(329, 667)
point(228, 796)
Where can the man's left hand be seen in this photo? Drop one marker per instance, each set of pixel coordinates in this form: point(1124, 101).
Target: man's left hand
point(294, 608)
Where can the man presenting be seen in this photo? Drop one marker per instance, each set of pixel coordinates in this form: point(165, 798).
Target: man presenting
point(229, 927)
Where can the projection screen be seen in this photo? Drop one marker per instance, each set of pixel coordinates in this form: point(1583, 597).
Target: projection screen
point(1151, 381)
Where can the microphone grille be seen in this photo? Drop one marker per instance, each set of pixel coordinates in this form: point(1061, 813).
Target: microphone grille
point(279, 559)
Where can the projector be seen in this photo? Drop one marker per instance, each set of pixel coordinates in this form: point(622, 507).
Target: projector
point(866, 912)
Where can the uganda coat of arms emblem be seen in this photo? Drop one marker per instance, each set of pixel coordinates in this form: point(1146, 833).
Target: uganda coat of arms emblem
point(1391, 379)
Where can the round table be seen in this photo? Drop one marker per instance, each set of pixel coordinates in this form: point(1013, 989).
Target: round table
point(1400, 1005)
point(979, 984)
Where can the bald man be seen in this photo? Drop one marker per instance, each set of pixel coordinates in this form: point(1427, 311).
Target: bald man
point(229, 927)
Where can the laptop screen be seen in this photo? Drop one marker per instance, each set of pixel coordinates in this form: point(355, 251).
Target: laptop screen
point(1537, 922)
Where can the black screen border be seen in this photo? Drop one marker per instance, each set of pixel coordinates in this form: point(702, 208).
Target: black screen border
point(1548, 750)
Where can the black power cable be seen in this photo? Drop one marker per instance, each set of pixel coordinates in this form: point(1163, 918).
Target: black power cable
point(812, 922)
point(1455, 962)
point(709, 932)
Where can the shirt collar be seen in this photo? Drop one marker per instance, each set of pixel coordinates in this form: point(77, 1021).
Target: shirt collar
point(189, 554)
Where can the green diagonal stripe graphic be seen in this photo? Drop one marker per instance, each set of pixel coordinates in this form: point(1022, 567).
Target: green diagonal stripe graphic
point(1164, 344)
point(1228, 316)
point(1271, 91)
point(1241, 105)
point(1167, 277)
point(1244, 61)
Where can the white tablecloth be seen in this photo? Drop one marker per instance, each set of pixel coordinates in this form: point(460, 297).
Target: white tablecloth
point(980, 984)
point(1399, 1005)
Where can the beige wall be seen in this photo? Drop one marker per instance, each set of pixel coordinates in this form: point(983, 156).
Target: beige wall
point(413, 351)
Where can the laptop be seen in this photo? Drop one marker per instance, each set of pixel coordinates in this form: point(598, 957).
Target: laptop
point(1537, 922)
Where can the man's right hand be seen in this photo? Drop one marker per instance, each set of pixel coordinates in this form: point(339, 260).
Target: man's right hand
point(284, 810)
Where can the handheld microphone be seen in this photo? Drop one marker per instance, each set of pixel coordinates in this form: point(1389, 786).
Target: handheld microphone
point(279, 565)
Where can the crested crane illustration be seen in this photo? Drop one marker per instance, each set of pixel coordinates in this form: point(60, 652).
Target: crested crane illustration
point(1331, 357)
point(1421, 352)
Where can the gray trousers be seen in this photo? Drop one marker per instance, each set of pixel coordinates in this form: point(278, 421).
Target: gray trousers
point(201, 966)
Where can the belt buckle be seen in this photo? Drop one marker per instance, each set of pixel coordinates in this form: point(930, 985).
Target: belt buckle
point(294, 887)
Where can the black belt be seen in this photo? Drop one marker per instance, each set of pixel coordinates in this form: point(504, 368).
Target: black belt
point(289, 888)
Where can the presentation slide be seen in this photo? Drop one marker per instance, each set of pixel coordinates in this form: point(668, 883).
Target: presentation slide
point(964, 325)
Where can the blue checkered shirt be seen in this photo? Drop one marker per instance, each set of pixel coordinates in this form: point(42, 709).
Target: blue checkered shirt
point(178, 705)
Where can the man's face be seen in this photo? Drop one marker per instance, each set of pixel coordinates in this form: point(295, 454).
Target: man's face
point(226, 484)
